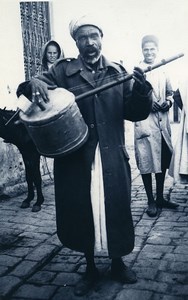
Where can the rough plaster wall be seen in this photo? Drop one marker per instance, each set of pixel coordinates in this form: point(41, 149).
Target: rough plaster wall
point(12, 170)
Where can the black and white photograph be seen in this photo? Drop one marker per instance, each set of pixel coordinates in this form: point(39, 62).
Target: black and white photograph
point(94, 150)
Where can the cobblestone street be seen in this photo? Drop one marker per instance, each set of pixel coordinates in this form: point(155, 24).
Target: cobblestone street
point(34, 265)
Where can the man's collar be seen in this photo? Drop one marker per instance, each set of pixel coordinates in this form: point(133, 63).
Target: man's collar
point(77, 65)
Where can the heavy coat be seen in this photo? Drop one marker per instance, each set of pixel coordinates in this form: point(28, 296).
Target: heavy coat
point(104, 114)
point(149, 132)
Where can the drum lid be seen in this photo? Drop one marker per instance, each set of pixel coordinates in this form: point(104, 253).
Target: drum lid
point(60, 100)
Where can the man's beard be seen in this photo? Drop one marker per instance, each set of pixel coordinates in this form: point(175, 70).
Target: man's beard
point(91, 55)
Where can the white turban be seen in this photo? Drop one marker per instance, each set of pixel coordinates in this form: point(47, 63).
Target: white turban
point(83, 21)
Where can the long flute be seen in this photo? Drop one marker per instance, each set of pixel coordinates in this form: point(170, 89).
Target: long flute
point(127, 77)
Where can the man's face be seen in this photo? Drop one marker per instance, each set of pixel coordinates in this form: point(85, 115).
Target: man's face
point(149, 51)
point(89, 43)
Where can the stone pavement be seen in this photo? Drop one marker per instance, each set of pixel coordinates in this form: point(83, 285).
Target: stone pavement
point(34, 265)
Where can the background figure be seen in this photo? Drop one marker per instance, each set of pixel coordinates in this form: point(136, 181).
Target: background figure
point(93, 183)
point(153, 145)
point(179, 163)
point(50, 53)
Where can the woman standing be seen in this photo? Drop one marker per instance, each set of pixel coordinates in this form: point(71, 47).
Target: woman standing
point(51, 52)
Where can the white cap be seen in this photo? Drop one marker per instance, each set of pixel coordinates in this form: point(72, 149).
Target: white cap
point(75, 24)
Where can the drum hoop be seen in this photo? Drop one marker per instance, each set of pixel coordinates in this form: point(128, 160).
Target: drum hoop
point(54, 117)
